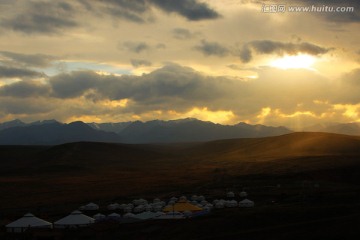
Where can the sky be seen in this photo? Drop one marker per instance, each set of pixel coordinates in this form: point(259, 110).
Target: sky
point(225, 61)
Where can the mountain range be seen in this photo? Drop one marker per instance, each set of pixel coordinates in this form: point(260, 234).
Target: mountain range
point(52, 132)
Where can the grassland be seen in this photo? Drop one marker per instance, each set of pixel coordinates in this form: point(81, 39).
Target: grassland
point(304, 184)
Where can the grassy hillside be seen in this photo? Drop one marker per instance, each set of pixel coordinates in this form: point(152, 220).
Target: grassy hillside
point(81, 172)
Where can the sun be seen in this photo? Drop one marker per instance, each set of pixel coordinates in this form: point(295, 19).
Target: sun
point(297, 61)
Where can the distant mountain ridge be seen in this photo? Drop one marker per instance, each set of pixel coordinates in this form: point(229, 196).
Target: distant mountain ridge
point(51, 132)
point(190, 130)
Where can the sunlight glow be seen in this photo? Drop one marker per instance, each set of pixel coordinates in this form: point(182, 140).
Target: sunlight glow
point(204, 114)
point(349, 111)
point(298, 61)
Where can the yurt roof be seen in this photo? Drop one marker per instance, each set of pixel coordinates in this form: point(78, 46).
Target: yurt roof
point(91, 205)
point(129, 215)
point(246, 201)
point(28, 220)
point(75, 218)
point(99, 215)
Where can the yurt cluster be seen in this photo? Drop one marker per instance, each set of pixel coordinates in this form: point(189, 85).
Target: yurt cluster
point(136, 210)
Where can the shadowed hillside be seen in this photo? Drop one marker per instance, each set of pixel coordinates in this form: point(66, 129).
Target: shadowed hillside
point(84, 171)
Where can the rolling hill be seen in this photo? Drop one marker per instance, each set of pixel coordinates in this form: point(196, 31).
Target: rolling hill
point(83, 171)
point(288, 145)
point(111, 156)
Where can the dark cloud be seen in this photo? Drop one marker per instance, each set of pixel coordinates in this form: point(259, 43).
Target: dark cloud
point(245, 53)
point(13, 72)
point(279, 48)
point(268, 47)
point(28, 60)
point(50, 17)
point(191, 9)
point(42, 17)
point(24, 89)
point(75, 84)
point(138, 6)
point(180, 82)
point(129, 10)
point(140, 62)
point(10, 105)
point(212, 48)
point(172, 86)
point(139, 11)
point(136, 47)
point(183, 33)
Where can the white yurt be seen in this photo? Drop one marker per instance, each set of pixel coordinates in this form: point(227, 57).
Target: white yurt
point(27, 221)
point(114, 216)
point(174, 199)
point(209, 205)
point(159, 213)
point(99, 216)
point(123, 206)
point(182, 199)
point(246, 203)
point(171, 202)
point(128, 209)
point(91, 207)
point(139, 209)
point(231, 204)
point(194, 198)
point(74, 220)
point(219, 205)
point(230, 194)
point(113, 206)
point(243, 194)
point(146, 215)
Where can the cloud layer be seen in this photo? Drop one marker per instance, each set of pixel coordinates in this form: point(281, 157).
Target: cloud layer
point(175, 90)
point(118, 60)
